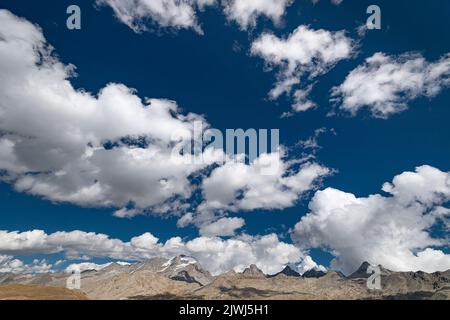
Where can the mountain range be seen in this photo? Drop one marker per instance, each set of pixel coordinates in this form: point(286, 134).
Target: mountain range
point(182, 277)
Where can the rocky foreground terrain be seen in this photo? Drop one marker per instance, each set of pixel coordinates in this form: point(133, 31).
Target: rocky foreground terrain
point(183, 278)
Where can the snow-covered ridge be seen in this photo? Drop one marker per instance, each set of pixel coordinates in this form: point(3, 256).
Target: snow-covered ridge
point(177, 263)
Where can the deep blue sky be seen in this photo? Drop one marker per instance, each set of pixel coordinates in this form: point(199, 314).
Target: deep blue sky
point(205, 75)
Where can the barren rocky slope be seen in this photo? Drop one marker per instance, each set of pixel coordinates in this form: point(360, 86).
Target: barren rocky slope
point(36, 292)
point(183, 278)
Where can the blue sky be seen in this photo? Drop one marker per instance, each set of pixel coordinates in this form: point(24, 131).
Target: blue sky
point(215, 75)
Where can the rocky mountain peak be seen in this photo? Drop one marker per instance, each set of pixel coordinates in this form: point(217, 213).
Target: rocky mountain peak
point(313, 273)
point(287, 271)
point(364, 266)
point(185, 268)
point(361, 272)
point(253, 271)
point(115, 267)
point(177, 263)
point(191, 281)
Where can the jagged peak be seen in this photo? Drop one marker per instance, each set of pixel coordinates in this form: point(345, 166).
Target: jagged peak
point(288, 271)
point(364, 265)
point(117, 265)
point(361, 272)
point(314, 273)
point(177, 262)
point(253, 270)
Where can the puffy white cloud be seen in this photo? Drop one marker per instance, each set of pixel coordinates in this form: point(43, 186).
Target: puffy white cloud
point(237, 186)
point(10, 265)
point(393, 231)
point(269, 182)
point(385, 84)
point(182, 14)
point(112, 149)
point(214, 254)
point(245, 13)
point(428, 186)
point(75, 244)
point(85, 266)
point(303, 55)
point(267, 252)
point(305, 49)
point(185, 220)
point(145, 241)
point(178, 14)
point(115, 150)
point(223, 227)
point(55, 138)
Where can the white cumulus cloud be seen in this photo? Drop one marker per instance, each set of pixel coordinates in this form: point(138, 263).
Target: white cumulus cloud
point(301, 56)
point(85, 266)
point(385, 84)
point(237, 186)
point(54, 138)
point(178, 14)
point(245, 13)
point(9, 264)
point(215, 254)
point(393, 230)
point(111, 149)
point(223, 227)
point(183, 14)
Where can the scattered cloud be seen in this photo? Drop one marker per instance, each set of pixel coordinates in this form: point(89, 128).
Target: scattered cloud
point(224, 227)
point(214, 254)
point(236, 186)
point(176, 14)
point(113, 149)
point(67, 145)
point(245, 13)
point(385, 84)
point(267, 252)
point(85, 266)
point(301, 56)
point(183, 14)
point(9, 264)
point(185, 220)
point(312, 143)
point(393, 230)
